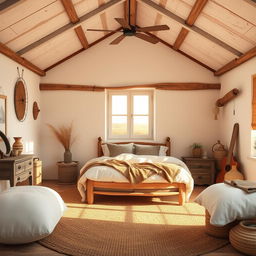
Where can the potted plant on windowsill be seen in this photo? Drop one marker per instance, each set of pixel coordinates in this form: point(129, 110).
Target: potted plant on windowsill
point(64, 136)
point(196, 150)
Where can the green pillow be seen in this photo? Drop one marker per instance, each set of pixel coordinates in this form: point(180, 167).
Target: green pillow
point(146, 150)
point(117, 149)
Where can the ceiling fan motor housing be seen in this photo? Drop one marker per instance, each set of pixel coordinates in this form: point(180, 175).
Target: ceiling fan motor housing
point(129, 32)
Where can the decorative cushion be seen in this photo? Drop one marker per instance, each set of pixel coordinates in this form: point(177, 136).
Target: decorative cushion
point(146, 150)
point(163, 150)
point(105, 150)
point(226, 204)
point(117, 149)
point(28, 213)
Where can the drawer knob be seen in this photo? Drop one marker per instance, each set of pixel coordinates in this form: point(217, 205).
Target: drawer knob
point(18, 178)
point(29, 172)
point(30, 163)
point(19, 167)
point(200, 177)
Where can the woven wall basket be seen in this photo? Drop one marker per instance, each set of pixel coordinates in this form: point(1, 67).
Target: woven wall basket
point(243, 237)
point(220, 232)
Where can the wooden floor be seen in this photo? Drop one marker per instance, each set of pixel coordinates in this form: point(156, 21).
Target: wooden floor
point(70, 194)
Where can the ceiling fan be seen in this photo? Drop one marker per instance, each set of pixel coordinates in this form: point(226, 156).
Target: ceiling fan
point(129, 30)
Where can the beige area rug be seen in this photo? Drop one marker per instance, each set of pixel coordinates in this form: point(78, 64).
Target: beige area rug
point(125, 226)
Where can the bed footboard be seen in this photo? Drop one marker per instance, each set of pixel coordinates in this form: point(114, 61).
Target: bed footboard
point(90, 191)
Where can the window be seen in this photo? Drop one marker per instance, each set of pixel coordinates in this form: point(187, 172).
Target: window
point(130, 114)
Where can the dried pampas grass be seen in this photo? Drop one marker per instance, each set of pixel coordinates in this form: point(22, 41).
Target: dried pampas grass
point(63, 135)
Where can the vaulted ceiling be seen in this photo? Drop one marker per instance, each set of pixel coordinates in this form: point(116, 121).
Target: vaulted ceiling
point(40, 34)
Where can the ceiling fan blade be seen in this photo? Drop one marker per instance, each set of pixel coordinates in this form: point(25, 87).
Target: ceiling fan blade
point(101, 30)
point(149, 39)
point(153, 28)
point(118, 39)
point(123, 23)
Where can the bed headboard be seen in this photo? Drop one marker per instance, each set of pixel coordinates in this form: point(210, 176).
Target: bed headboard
point(167, 144)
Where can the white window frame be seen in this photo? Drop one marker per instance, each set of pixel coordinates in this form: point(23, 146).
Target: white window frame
point(130, 115)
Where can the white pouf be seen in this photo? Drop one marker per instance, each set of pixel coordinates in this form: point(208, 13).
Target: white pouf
point(29, 213)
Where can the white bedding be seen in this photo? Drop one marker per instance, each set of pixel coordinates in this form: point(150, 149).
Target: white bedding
point(108, 174)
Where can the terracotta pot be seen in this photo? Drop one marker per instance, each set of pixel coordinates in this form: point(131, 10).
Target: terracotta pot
point(197, 152)
point(243, 237)
point(17, 146)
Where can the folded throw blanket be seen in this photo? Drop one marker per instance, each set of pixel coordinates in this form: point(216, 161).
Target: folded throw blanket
point(138, 172)
point(247, 186)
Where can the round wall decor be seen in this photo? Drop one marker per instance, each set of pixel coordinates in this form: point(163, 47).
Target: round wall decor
point(20, 99)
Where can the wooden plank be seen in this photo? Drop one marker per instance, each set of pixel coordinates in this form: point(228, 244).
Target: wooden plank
point(7, 4)
point(27, 64)
point(180, 38)
point(82, 38)
point(160, 86)
point(85, 17)
point(81, 50)
point(133, 12)
point(191, 28)
point(70, 10)
point(103, 17)
point(195, 12)
point(236, 62)
point(158, 15)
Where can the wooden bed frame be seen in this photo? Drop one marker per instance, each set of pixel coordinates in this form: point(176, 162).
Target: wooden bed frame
point(139, 188)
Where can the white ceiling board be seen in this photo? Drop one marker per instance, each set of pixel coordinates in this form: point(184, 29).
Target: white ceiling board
point(20, 11)
point(205, 51)
point(112, 13)
point(244, 8)
point(54, 50)
point(252, 34)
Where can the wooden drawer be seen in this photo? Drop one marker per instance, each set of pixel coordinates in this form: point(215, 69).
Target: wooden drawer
point(199, 165)
point(202, 179)
point(28, 164)
point(23, 176)
point(19, 168)
point(205, 171)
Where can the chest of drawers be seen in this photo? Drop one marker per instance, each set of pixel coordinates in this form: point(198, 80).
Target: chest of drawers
point(202, 170)
point(17, 169)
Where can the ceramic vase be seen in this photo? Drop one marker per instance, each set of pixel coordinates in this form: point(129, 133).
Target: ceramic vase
point(243, 237)
point(67, 156)
point(17, 146)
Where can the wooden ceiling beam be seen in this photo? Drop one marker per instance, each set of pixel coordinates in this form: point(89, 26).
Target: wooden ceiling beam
point(25, 63)
point(193, 28)
point(7, 4)
point(236, 62)
point(195, 11)
point(81, 50)
point(180, 38)
point(81, 36)
point(70, 10)
point(159, 86)
point(66, 27)
point(133, 12)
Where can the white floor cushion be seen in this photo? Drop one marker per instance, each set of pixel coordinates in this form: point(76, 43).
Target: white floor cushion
point(226, 203)
point(28, 213)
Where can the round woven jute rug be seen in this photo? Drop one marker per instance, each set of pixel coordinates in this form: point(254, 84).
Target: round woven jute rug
point(89, 237)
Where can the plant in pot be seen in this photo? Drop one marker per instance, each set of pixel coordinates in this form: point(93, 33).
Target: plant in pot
point(64, 136)
point(196, 150)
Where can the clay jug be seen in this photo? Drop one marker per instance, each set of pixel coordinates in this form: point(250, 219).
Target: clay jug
point(17, 146)
point(67, 156)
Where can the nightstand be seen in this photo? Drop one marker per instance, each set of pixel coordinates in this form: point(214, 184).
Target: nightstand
point(202, 170)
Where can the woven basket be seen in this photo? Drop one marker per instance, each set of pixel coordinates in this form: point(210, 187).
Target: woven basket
point(220, 232)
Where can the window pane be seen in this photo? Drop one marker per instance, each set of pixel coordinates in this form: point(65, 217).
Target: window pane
point(119, 104)
point(140, 125)
point(119, 125)
point(140, 104)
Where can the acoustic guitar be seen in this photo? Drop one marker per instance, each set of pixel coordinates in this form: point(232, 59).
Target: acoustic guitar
point(228, 161)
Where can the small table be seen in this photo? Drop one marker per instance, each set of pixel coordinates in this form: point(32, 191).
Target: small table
point(203, 170)
point(67, 172)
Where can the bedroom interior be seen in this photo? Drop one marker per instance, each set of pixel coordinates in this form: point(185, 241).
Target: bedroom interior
point(140, 81)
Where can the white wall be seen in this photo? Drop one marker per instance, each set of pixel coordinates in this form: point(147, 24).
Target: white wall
point(241, 78)
point(185, 116)
point(29, 128)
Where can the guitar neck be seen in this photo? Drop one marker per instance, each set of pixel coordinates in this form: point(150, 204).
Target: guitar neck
point(232, 143)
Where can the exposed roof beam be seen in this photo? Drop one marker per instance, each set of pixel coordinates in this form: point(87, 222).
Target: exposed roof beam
point(133, 12)
point(160, 86)
point(85, 17)
point(236, 62)
point(70, 10)
point(25, 63)
point(195, 12)
point(7, 4)
point(81, 50)
point(180, 38)
point(183, 53)
point(82, 38)
point(191, 28)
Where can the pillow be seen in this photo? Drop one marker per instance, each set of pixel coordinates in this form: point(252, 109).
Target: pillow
point(146, 150)
point(105, 150)
point(163, 150)
point(28, 213)
point(226, 204)
point(117, 149)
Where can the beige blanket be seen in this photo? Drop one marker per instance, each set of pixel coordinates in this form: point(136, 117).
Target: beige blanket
point(138, 172)
point(247, 186)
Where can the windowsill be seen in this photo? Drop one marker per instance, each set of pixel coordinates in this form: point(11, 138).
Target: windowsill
point(252, 157)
